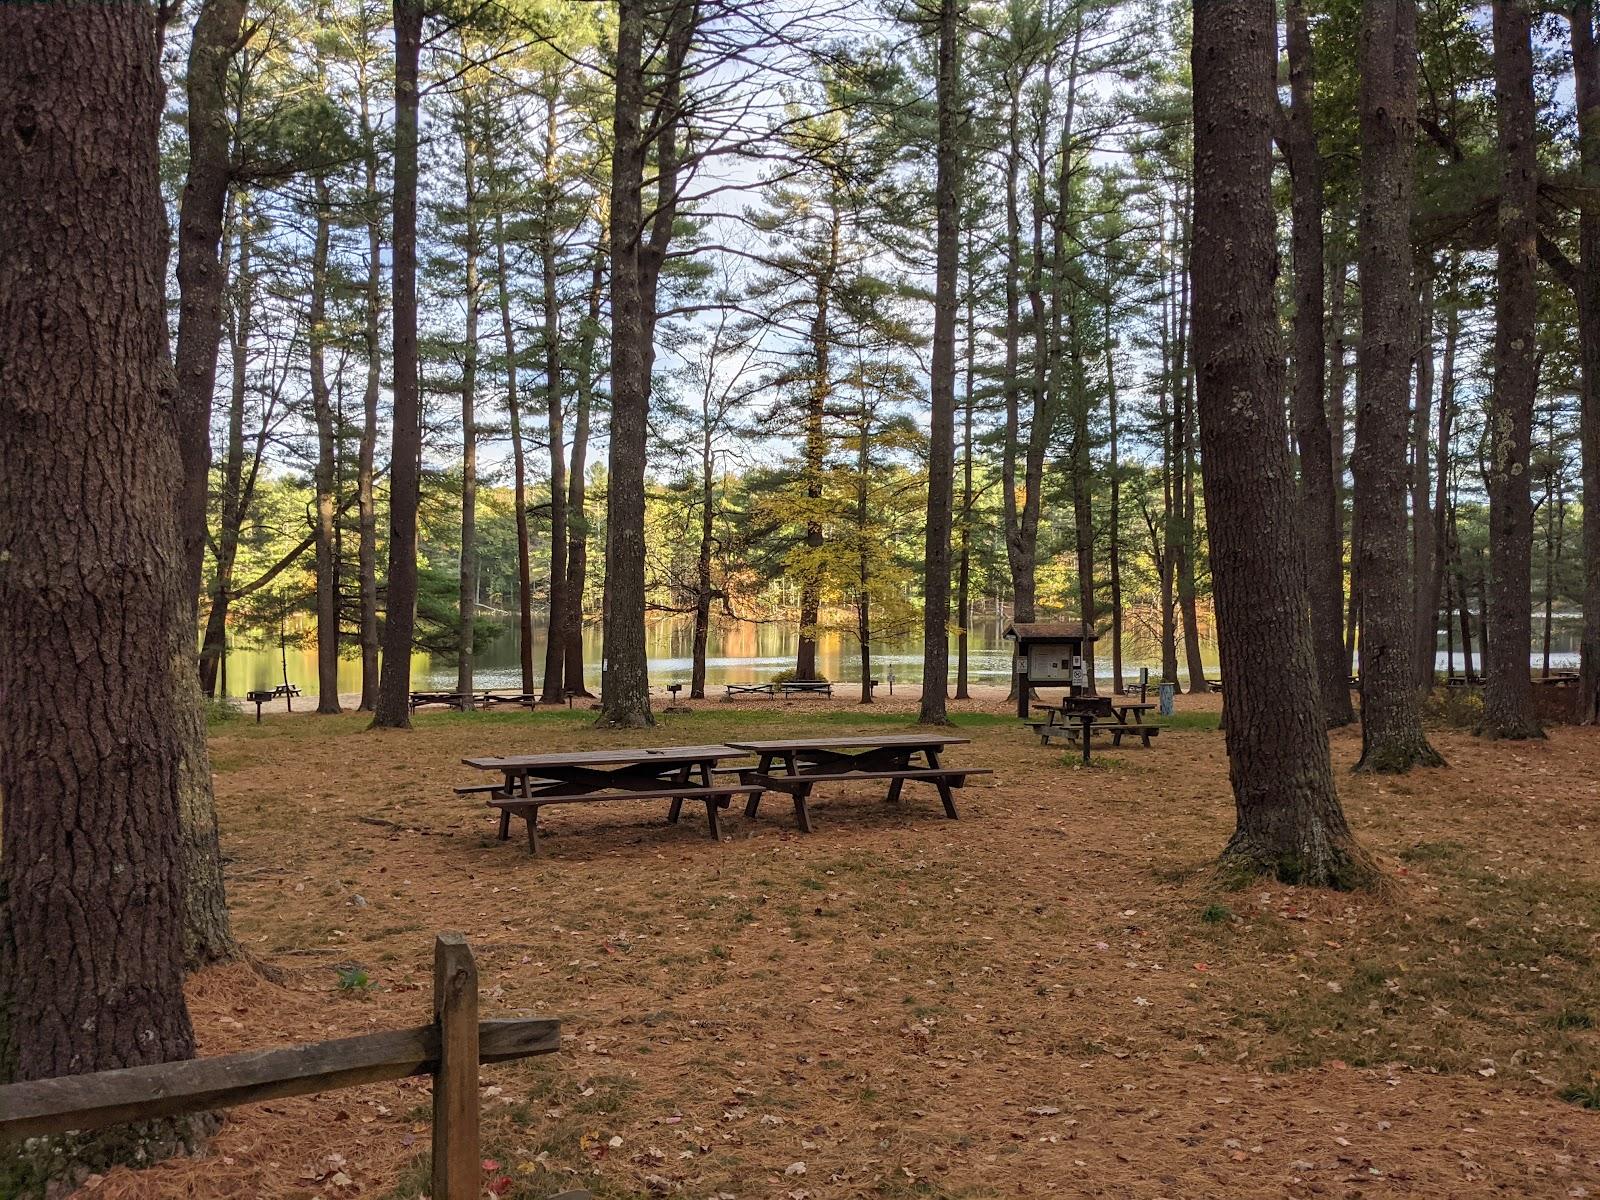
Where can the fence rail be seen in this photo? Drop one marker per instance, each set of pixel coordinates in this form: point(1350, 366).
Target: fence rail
point(450, 1049)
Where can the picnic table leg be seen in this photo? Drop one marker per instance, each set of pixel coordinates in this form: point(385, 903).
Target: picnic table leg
point(711, 818)
point(677, 801)
point(754, 801)
point(949, 800)
point(802, 815)
point(900, 764)
point(531, 815)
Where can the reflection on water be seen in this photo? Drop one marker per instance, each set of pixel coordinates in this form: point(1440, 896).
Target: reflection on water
point(738, 651)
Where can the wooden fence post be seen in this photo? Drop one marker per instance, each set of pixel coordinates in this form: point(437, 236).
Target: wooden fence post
point(457, 1170)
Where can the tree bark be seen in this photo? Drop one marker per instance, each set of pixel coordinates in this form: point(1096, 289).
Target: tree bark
point(555, 651)
point(92, 752)
point(467, 593)
point(638, 248)
point(815, 451)
point(1114, 517)
point(1586, 75)
point(405, 466)
point(1324, 535)
point(326, 500)
point(703, 590)
point(519, 464)
point(942, 382)
point(624, 677)
point(201, 274)
point(1424, 551)
point(577, 520)
point(367, 507)
point(1508, 685)
point(1290, 823)
point(1392, 739)
point(964, 569)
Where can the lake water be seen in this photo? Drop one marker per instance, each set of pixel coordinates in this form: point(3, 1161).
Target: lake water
point(736, 651)
point(740, 651)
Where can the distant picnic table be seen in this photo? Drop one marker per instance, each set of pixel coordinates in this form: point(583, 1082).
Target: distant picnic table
point(529, 782)
point(488, 698)
point(1078, 718)
point(730, 690)
point(805, 762)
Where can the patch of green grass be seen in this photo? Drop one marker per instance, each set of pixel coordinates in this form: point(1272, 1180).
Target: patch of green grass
point(354, 981)
point(1585, 1095)
point(1191, 720)
point(1216, 914)
point(1571, 1018)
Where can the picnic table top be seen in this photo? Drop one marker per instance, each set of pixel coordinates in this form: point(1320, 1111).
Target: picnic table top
point(602, 758)
point(882, 740)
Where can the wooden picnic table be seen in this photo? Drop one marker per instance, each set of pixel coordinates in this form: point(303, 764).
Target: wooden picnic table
point(529, 782)
point(805, 762)
point(1092, 714)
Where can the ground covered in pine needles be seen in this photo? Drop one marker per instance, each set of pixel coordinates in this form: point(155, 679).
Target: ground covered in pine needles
point(1052, 996)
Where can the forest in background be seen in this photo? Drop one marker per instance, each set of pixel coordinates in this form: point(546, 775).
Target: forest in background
point(787, 444)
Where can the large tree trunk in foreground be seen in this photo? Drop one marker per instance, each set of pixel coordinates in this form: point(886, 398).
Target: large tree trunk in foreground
point(1290, 823)
point(1391, 717)
point(1508, 686)
point(1424, 551)
point(942, 386)
point(405, 468)
point(1324, 535)
point(92, 750)
point(1586, 73)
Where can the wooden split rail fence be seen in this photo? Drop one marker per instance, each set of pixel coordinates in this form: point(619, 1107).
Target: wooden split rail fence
point(450, 1049)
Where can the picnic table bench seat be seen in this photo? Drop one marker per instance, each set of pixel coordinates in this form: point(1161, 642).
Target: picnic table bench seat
point(730, 690)
point(806, 762)
point(715, 797)
point(807, 687)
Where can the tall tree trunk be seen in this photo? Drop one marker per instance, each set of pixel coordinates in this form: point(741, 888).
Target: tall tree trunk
point(1185, 548)
point(1114, 517)
point(1441, 470)
point(1423, 550)
point(864, 554)
point(1019, 546)
point(1290, 823)
point(1324, 533)
point(1167, 401)
point(1391, 720)
point(326, 481)
point(577, 521)
point(366, 500)
point(815, 452)
point(201, 273)
point(1508, 687)
point(233, 503)
point(1586, 74)
point(638, 249)
point(624, 678)
point(964, 570)
point(703, 590)
point(942, 382)
point(555, 652)
point(467, 597)
point(93, 751)
point(519, 465)
point(405, 466)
